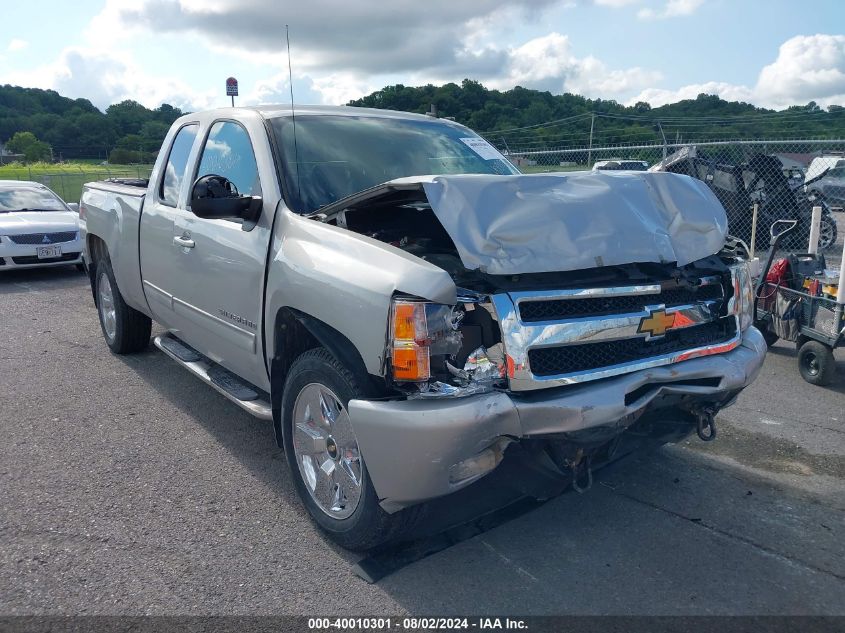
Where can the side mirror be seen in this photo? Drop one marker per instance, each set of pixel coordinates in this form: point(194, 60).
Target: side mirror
point(74, 206)
point(217, 198)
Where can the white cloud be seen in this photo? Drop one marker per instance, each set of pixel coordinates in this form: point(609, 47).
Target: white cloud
point(672, 9)
point(276, 89)
point(17, 45)
point(107, 78)
point(428, 35)
point(434, 42)
point(807, 68)
point(548, 63)
point(615, 4)
point(660, 96)
point(340, 88)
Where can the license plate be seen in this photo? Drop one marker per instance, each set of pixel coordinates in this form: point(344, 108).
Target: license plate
point(48, 252)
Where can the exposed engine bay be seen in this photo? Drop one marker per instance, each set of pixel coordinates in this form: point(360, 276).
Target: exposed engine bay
point(468, 355)
point(566, 288)
point(467, 351)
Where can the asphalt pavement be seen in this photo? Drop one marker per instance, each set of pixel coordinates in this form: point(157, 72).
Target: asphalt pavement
point(128, 487)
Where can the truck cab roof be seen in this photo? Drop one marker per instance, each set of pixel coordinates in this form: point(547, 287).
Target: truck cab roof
point(273, 111)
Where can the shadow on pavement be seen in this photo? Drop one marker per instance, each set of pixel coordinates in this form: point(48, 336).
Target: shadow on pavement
point(40, 279)
point(666, 532)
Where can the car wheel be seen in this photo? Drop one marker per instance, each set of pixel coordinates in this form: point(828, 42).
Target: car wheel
point(322, 452)
point(827, 233)
point(125, 329)
point(816, 363)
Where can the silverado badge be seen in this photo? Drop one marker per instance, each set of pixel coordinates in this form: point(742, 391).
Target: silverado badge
point(656, 323)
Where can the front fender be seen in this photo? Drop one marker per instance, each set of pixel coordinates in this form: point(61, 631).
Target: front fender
point(346, 281)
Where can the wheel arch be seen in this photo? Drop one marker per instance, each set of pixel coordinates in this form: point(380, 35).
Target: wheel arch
point(298, 332)
point(96, 247)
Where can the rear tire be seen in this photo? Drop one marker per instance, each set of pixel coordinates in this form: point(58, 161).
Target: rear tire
point(317, 438)
point(816, 363)
point(125, 329)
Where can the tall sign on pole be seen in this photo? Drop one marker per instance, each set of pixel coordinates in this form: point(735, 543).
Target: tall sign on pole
point(232, 89)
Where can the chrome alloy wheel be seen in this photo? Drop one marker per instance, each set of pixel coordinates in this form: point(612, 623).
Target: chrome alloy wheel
point(326, 451)
point(827, 234)
point(105, 303)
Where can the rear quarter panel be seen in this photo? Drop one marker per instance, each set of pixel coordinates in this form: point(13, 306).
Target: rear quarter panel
point(112, 213)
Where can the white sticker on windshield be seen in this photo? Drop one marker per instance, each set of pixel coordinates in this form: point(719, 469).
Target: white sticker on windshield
point(481, 147)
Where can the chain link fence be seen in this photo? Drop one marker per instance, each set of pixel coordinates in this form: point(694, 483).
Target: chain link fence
point(774, 179)
point(67, 183)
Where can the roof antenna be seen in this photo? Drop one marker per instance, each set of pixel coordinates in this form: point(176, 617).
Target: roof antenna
point(293, 116)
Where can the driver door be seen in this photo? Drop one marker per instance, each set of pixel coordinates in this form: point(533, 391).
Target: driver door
point(218, 276)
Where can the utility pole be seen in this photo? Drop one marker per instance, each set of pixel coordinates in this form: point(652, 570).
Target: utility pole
point(505, 143)
point(660, 127)
point(590, 150)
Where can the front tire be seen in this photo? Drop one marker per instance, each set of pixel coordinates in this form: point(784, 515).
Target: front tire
point(125, 329)
point(322, 452)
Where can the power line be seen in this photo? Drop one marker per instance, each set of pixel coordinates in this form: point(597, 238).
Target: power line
point(547, 123)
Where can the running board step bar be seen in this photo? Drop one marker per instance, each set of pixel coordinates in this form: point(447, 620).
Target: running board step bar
point(247, 397)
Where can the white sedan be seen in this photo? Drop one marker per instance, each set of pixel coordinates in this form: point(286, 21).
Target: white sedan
point(37, 228)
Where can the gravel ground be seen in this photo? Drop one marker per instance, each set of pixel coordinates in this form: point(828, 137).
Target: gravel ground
point(128, 487)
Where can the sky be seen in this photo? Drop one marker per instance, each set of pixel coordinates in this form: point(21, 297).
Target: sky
point(772, 53)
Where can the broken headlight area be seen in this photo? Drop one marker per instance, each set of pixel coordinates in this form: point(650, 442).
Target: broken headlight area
point(742, 302)
point(438, 350)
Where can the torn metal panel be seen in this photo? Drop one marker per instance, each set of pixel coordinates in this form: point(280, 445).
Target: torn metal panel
point(507, 225)
point(432, 435)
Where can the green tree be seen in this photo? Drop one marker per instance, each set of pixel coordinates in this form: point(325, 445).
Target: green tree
point(20, 141)
point(37, 151)
point(27, 143)
point(128, 116)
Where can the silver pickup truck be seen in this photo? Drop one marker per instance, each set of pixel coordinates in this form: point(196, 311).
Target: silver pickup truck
point(412, 313)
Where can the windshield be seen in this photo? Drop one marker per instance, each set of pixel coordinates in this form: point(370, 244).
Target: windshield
point(29, 199)
point(336, 156)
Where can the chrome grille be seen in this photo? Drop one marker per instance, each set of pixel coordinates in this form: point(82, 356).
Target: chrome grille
point(550, 361)
point(44, 238)
point(579, 307)
point(554, 338)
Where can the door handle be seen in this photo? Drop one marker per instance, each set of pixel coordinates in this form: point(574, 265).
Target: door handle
point(184, 242)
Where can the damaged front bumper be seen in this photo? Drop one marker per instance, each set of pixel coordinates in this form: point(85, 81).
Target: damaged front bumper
point(420, 449)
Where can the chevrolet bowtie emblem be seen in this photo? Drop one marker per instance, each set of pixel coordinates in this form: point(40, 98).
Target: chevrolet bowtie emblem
point(656, 323)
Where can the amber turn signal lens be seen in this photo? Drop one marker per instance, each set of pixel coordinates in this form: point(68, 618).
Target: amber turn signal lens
point(409, 321)
point(411, 363)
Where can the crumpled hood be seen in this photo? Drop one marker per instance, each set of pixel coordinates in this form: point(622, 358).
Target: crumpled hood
point(21, 222)
point(506, 225)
